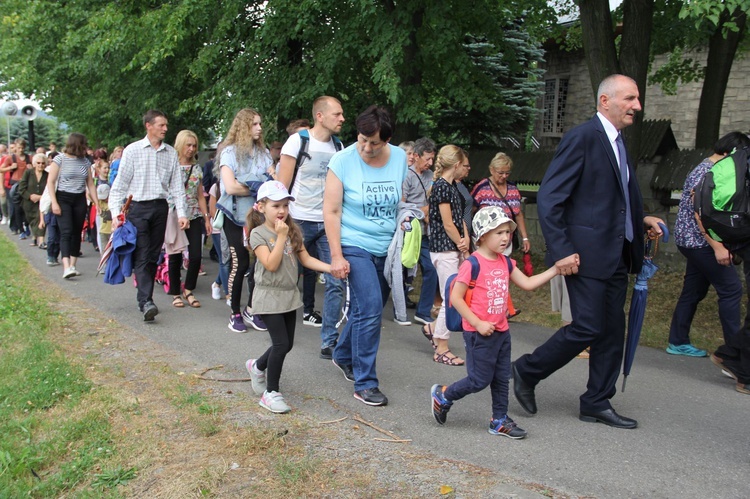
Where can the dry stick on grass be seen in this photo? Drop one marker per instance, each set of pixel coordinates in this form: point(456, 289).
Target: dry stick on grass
point(334, 420)
point(231, 380)
point(394, 437)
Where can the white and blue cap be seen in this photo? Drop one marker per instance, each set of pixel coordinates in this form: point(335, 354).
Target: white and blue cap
point(488, 218)
point(274, 190)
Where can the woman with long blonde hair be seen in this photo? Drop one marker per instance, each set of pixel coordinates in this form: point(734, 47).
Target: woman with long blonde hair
point(243, 157)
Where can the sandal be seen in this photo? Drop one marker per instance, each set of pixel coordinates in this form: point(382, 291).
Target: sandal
point(442, 358)
point(428, 334)
point(177, 302)
point(191, 299)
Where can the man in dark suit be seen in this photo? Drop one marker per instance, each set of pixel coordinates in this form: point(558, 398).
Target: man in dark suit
point(593, 227)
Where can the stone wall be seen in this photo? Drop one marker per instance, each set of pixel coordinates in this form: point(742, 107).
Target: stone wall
point(681, 108)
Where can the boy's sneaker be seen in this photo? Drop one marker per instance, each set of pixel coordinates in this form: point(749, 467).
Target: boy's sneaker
point(236, 324)
point(254, 321)
point(687, 350)
point(216, 293)
point(440, 405)
point(274, 402)
point(314, 319)
point(257, 377)
point(506, 428)
point(52, 262)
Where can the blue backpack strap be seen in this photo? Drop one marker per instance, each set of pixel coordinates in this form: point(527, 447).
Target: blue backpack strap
point(474, 276)
point(510, 265)
point(474, 271)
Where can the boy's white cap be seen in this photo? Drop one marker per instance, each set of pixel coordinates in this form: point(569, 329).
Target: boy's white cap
point(488, 218)
point(274, 190)
point(102, 191)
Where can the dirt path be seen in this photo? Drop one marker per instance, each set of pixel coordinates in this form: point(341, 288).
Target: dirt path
point(190, 437)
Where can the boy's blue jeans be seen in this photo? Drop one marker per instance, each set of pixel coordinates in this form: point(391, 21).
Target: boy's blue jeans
point(487, 364)
point(360, 339)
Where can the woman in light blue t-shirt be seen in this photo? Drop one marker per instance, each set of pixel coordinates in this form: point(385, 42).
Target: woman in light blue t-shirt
point(363, 189)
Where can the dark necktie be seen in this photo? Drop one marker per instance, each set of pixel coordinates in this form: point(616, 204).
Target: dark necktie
point(624, 177)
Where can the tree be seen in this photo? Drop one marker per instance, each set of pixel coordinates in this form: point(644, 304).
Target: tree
point(46, 130)
point(96, 65)
point(101, 63)
point(729, 22)
point(601, 53)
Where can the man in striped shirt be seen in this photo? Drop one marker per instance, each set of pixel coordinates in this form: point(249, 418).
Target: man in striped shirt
point(149, 171)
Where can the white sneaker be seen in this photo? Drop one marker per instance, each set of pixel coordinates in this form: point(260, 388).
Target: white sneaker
point(4, 222)
point(75, 271)
point(274, 402)
point(402, 323)
point(216, 291)
point(69, 272)
point(257, 377)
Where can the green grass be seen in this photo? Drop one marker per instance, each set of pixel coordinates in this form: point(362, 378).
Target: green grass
point(49, 443)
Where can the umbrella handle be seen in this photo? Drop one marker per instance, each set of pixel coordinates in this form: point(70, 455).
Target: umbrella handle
point(665, 232)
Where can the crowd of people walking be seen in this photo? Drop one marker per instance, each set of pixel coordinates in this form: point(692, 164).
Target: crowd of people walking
point(366, 217)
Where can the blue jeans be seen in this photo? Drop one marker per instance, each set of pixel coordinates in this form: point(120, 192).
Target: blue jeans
point(702, 271)
point(315, 240)
point(487, 364)
point(360, 339)
point(53, 235)
point(429, 282)
point(221, 279)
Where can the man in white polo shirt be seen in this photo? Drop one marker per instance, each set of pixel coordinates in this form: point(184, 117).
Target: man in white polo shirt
point(302, 169)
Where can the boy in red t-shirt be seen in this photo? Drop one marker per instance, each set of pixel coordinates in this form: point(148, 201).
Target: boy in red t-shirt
point(485, 321)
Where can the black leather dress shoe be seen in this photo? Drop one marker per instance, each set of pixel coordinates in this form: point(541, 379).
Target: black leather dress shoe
point(523, 391)
point(609, 418)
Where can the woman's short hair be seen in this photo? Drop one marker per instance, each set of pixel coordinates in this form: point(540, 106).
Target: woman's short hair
point(76, 145)
point(500, 159)
point(730, 142)
point(100, 153)
point(375, 119)
point(181, 140)
point(41, 156)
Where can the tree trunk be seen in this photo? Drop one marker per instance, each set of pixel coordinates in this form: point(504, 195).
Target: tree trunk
point(412, 79)
point(637, 24)
point(598, 41)
point(721, 52)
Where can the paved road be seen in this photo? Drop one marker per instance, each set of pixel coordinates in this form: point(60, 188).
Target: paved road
point(693, 434)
